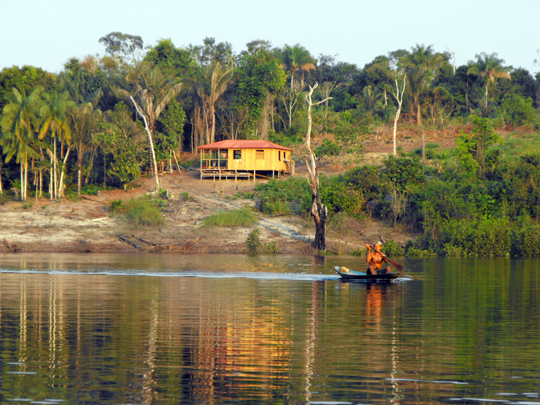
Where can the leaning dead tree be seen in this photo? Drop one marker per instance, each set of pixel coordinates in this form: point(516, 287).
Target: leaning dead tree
point(319, 212)
point(399, 99)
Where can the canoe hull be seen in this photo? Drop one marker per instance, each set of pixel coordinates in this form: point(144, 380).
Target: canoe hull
point(357, 275)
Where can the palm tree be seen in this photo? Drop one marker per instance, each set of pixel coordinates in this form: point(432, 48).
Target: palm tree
point(490, 68)
point(296, 59)
point(211, 82)
point(54, 115)
point(150, 92)
point(420, 66)
point(83, 120)
point(19, 123)
point(83, 80)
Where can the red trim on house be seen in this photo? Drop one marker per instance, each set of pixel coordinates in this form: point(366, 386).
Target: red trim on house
point(244, 144)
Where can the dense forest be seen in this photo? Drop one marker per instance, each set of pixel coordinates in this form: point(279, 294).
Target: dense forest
point(104, 121)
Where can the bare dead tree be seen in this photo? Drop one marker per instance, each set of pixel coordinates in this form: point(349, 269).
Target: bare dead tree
point(289, 97)
point(319, 211)
point(326, 89)
point(399, 99)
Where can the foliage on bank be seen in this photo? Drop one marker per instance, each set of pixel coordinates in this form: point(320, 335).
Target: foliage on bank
point(480, 199)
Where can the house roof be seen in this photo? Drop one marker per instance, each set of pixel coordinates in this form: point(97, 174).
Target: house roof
point(244, 144)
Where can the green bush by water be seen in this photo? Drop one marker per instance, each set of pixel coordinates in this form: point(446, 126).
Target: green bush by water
point(253, 242)
point(392, 249)
point(142, 211)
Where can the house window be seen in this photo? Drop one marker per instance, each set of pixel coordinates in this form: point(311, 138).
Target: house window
point(279, 155)
point(237, 155)
point(260, 155)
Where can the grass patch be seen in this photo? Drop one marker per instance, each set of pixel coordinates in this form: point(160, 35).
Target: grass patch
point(242, 217)
point(139, 211)
point(275, 208)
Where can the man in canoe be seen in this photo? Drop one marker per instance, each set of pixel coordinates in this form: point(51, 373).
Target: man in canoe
point(376, 258)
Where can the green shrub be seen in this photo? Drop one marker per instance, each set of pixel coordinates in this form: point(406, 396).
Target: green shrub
point(414, 252)
point(338, 197)
point(4, 198)
point(143, 211)
point(392, 249)
point(328, 148)
point(518, 110)
point(242, 217)
point(253, 242)
point(287, 138)
point(139, 211)
point(450, 250)
point(403, 172)
point(187, 196)
point(525, 238)
point(116, 206)
point(293, 192)
point(358, 252)
point(271, 248)
point(247, 196)
point(275, 208)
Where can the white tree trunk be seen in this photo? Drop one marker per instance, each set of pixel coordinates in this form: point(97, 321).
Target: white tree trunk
point(399, 99)
point(150, 140)
point(61, 185)
point(55, 184)
point(1, 189)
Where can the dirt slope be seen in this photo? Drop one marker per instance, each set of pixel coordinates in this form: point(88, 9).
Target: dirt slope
point(85, 225)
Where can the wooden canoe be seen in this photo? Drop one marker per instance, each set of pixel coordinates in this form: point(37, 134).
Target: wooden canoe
point(358, 275)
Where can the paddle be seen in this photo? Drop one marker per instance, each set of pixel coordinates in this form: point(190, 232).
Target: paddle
point(396, 265)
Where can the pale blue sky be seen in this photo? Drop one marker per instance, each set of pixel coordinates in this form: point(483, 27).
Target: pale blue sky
point(46, 33)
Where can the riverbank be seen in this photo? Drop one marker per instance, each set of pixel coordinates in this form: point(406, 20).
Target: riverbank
point(85, 225)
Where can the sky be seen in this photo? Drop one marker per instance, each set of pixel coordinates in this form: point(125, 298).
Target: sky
point(46, 33)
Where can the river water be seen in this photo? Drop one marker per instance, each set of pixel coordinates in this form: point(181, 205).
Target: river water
point(213, 329)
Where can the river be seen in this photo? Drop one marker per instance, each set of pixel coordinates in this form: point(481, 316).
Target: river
point(219, 329)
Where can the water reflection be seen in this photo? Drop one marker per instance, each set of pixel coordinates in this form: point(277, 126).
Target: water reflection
point(88, 329)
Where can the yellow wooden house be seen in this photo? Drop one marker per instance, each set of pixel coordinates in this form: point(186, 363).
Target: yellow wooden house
point(245, 158)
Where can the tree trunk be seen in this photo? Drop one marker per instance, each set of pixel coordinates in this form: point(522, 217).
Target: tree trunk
point(486, 97)
point(79, 173)
point(418, 112)
point(213, 118)
point(320, 217)
point(319, 211)
point(55, 186)
point(51, 185)
point(79, 168)
point(265, 118)
point(1, 189)
point(399, 99)
point(22, 180)
point(61, 182)
point(423, 145)
point(150, 140)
